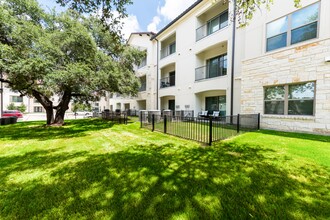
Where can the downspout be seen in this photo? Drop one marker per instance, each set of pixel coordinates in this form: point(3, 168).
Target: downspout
point(157, 78)
point(233, 62)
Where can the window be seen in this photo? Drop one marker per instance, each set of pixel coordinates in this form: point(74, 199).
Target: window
point(301, 99)
point(217, 23)
point(16, 99)
point(274, 100)
point(37, 109)
point(172, 48)
point(216, 103)
point(299, 26)
point(217, 66)
point(143, 62)
point(292, 99)
point(143, 86)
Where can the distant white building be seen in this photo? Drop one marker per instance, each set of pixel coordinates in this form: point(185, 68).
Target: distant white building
point(33, 106)
point(146, 72)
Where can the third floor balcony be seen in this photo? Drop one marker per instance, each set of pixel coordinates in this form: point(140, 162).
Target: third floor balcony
point(168, 46)
point(213, 25)
point(168, 50)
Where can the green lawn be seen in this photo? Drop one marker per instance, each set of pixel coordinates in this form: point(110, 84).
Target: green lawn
point(91, 169)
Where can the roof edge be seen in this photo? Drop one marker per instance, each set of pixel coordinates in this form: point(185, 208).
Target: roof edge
point(177, 18)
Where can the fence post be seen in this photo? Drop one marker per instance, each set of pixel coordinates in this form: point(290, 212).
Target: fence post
point(258, 121)
point(140, 119)
point(153, 122)
point(165, 124)
point(210, 134)
point(237, 123)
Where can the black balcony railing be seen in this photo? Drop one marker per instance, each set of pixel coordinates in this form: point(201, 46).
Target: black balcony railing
point(206, 72)
point(167, 81)
point(214, 25)
point(143, 87)
point(166, 51)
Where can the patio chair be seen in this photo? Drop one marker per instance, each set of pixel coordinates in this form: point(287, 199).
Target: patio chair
point(203, 114)
point(216, 114)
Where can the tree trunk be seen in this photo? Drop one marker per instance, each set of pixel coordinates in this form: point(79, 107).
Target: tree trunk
point(62, 107)
point(47, 104)
point(50, 115)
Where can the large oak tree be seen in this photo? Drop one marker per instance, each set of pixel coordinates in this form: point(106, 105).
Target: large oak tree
point(74, 57)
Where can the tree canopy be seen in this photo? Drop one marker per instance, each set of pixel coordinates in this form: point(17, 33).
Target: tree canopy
point(67, 54)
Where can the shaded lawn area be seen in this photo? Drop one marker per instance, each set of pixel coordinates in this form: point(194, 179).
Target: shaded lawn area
point(91, 169)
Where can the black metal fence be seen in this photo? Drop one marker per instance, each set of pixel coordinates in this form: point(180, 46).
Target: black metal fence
point(115, 116)
point(201, 129)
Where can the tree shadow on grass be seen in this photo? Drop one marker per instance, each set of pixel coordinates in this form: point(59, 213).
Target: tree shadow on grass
point(229, 181)
point(37, 130)
point(305, 136)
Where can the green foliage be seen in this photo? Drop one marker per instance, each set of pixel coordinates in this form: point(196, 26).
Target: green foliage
point(21, 108)
point(66, 54)
point(93, 169)
point(11, 106)
point(245, 9)
point(81, 107)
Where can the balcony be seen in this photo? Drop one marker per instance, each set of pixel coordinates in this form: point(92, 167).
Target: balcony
point(206, 72)
point(143, 87)
point(167, 81)
point(143, 63)
point(168, 50)
point(213, 25)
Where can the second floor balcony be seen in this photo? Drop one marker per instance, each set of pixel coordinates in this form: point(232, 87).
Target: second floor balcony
point(208, 71)
point(167, 81)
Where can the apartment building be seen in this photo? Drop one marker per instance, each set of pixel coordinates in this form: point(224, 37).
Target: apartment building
point(286, 66)
point(194, 65)
point(146, 72)
point(280, 64)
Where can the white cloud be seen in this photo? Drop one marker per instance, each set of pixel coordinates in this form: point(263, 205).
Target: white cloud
point(130, 24)
point(172, 8)
point(153, 25)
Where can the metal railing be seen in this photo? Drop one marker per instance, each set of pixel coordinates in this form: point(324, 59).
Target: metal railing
point(201, 129)
point(167, 81)
point(206, 29)
point(166, 51)
point(205, 72)
point(132, 112)
point(115, 116)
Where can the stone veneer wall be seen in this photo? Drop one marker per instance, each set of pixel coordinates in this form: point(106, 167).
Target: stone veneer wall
point(298, 64)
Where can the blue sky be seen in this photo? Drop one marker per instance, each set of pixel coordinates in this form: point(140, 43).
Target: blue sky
point(144, 15)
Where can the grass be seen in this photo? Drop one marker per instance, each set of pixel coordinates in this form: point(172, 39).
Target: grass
point(91, 169)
